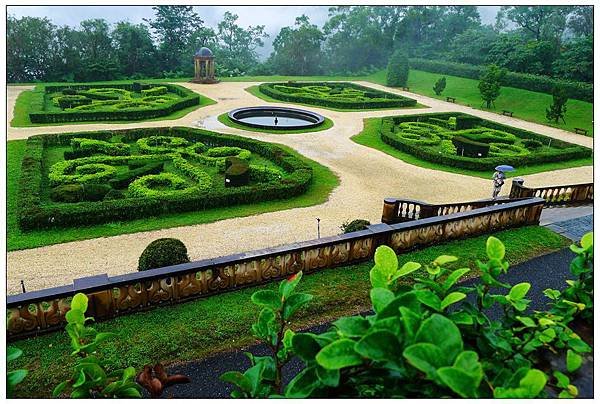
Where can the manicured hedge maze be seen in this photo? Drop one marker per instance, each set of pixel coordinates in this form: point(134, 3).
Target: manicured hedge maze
point(114, 102)
point(79, 179)
point(464, 141)
point(335, 95)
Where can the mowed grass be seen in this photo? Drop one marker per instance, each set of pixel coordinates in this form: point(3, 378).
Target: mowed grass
point(323, 183)
point(201, 328)
point(526, 105)
point(370, 137)
point(33, 100)
point(225, 120)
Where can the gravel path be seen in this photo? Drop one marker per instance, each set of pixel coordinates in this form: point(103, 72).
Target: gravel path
point(367, 176)
point(548, 271)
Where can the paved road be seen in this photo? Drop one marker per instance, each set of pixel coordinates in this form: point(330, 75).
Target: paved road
point(367, 176)
point(548, 271)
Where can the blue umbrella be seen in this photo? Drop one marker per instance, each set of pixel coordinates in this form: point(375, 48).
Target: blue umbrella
point(505, 168)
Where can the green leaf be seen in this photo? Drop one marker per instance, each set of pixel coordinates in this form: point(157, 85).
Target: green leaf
point(387, 260)
point(459, 381)
point(75, 316)
point(79, 302)
point(494, 248)
point(12, 353)
point(444, 259)
point(452, 298)
point(411, 322)
point(355, 326)
point(102, 336)
point(587, 240)
point(530, 386)
point(59, 389)
point(547, 335)
point(339, 354)
point(128, 374)
point(293, 303)
point(267, 298)
point(303, 384)
point(287, 286)
point(574, 361)
point(552, 293)
point(562, 379)
point(130, 392)
point(287, 339)
point(454, 277)
point(527, 321)
point(381, 297)
point(443, 333)
point(264, 328)
point(330, 378)
point(379, 345)
point(237, 379)
point(407, 268)
point(429, 298)
point(81, 392)
point(378, 278)
point(426, 357)
point(80, 379)
point(305, 346)
point(15, 377)
point(519, 291)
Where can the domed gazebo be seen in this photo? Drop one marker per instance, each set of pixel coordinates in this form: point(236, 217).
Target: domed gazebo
point(204, 67)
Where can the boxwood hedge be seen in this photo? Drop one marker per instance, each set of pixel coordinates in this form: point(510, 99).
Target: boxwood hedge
point(403, 133)
point(293, 179)
point(341, 95)
point(187, 99)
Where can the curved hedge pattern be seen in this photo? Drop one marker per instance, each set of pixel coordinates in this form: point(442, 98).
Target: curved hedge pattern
point(426, 136)
point(133, 110)
point(335, 95)
point(292, 177)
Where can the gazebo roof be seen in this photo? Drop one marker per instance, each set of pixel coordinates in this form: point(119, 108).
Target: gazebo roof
point(204, 52)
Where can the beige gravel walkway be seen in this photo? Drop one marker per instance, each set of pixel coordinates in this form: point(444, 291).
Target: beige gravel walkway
point(367, 176)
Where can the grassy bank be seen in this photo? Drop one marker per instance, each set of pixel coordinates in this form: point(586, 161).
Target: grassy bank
point(324, 181)
point(201, 328)
point(370, 137)
point(225, 120)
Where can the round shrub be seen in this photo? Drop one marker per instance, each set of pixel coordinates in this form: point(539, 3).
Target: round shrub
point(163, 184)
point(225, 151)
point(81, 171)
point(355, 225)
point(69, 193)
point(95, 192)
point(162, 253)
point(532, 144)
point(161, 144)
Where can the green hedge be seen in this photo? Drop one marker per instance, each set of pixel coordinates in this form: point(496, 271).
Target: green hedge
point(380, 99)
point(564, 151)
point(34, 214)
point(532, 82)
point(188, 99)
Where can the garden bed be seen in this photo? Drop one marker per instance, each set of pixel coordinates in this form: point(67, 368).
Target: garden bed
point(79, 179)
point(51, 104)
point(468, 142)
point(335, 95)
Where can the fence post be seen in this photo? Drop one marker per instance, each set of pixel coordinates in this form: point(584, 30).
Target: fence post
point(390, 211)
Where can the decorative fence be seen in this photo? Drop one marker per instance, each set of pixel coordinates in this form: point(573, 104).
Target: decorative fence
point(41, 311)
point(555, 195)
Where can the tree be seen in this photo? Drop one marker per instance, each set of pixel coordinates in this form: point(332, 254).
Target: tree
point(581, 21)
point(237, 45)
point(173, 27)
point(489, 84)
point(472, 46)
point(439, 86)
point(541, 22)
point(135, 52)
point(29, 48)
point(577, 60)
point(397, 71)
point(558, 108)
point(297, 50)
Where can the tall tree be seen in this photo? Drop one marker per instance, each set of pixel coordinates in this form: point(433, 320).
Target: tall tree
point(238, 45)
point(30, 45)
point(577, 60)
point(558, 108)
point(489, 84)
point(173, 27)
point(135, 51)
point(297, 49)
point(581, 20)
point(398, 69)
point(541, 22)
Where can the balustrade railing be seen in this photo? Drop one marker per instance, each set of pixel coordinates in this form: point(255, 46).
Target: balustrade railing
point(557, 195)
point(41, 311)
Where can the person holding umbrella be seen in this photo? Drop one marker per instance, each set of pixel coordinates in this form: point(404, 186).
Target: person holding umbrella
point(499, 178)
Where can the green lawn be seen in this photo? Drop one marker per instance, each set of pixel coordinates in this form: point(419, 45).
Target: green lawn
point(201, 328)
point(324, 181)
point(33, 100)
point(224, 119)
point(527, 105)
point(257, 93)
point(370, 137)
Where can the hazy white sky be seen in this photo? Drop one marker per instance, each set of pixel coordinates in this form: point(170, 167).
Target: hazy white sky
point(273, 17)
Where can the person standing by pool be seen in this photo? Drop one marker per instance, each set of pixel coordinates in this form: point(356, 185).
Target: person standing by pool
point(498, 178)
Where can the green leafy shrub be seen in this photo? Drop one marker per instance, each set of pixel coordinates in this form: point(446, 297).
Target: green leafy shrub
point(114, 194)
point(91, 378)
point(155, 91)
point(69, 193)
point(335, 95)
point(162, 253)
point(439, 86)
point(354, 225)
point(425, 339)
point(13, 377)
point(72, 101)
point(80, 171)
point(158, 185)
point(532, 144)
point(99, 146)
point(398, 69)
point(447, 147)
point(161, 144)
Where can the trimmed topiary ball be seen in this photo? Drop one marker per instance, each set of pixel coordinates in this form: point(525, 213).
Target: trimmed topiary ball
point(162, 253)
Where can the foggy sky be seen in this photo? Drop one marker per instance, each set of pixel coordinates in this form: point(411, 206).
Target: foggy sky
point(273, 17)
